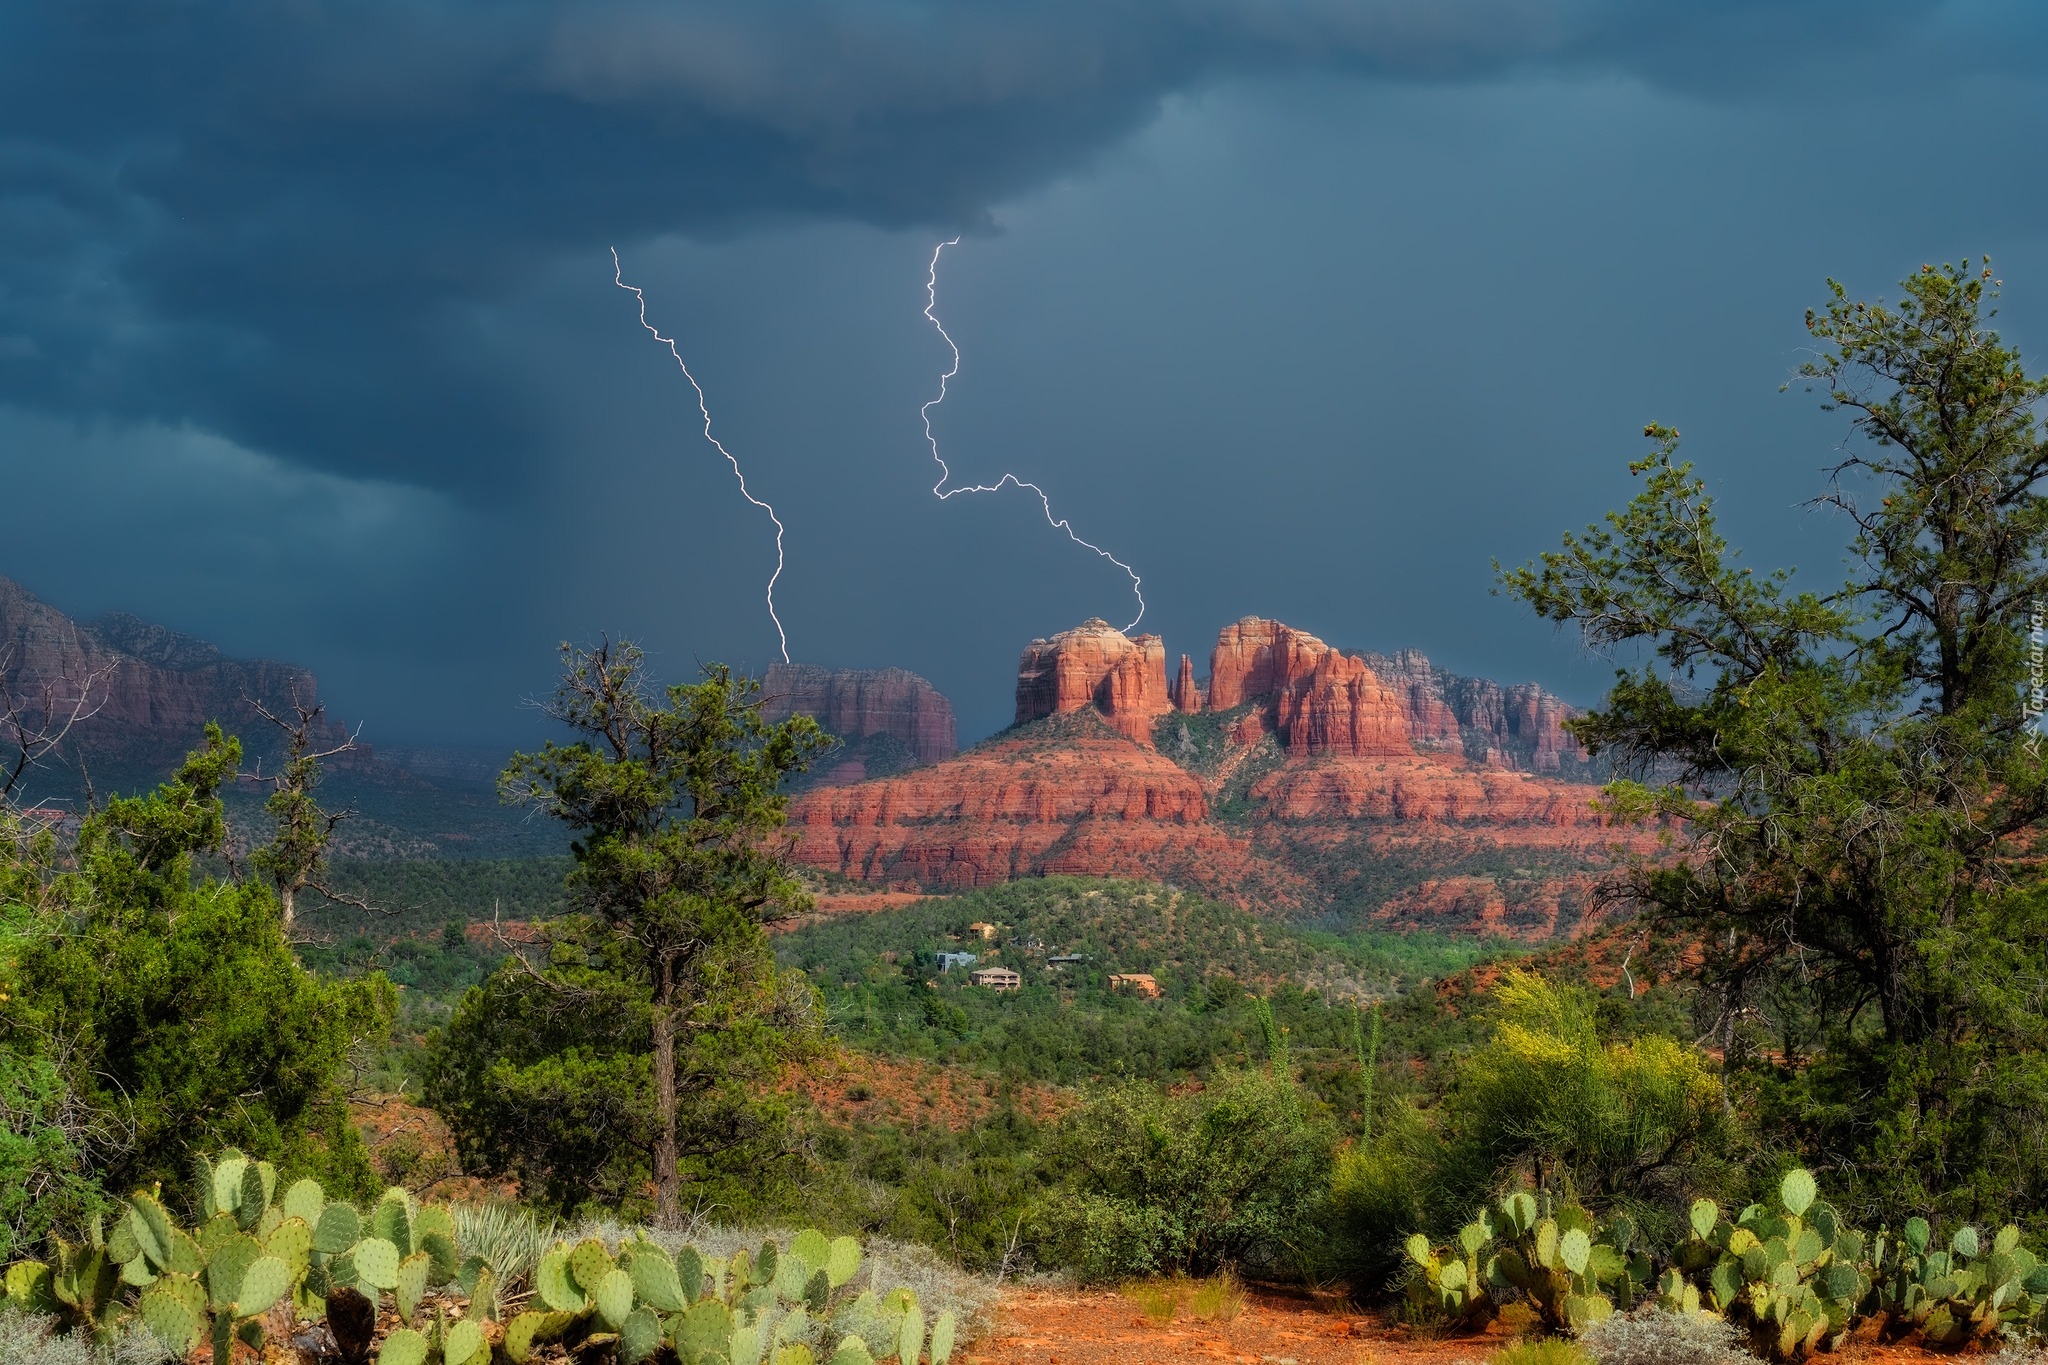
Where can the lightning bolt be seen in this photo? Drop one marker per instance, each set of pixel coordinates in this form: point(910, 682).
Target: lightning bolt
point(939, 489)
point(618, 278)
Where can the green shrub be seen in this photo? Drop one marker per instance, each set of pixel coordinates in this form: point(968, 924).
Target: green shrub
point(1378, 1192)
point(144, 999)
point(1233, 1174)
point(1633, 1125)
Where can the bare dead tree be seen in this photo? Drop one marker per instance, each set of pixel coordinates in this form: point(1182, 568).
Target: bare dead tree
point(36, 718)
point(295, 857)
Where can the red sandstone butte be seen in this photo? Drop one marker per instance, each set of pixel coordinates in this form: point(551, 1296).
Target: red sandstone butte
point(855, 703)
point(1096, 665)
point(1520, 726)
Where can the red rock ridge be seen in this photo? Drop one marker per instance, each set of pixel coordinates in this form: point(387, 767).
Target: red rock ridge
point(856, 703)
point(1090, 802)
point(163, 689)
point(1335, 768)
point(1096, 665)
point(1318, 699)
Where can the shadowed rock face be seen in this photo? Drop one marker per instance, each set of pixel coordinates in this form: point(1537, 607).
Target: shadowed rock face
point(162, 690)
point(887, 719)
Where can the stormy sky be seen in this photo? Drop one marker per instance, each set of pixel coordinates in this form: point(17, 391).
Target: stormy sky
point(309, 341)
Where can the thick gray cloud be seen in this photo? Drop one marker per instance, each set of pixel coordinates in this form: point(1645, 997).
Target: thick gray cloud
point(1305, 307)
point(276, 220)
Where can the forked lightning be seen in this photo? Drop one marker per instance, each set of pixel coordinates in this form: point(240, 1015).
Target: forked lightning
point(931, 289)
point(618, 278)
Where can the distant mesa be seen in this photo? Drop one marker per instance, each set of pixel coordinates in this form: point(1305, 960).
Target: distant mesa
point(888, 720)
point(160, 688)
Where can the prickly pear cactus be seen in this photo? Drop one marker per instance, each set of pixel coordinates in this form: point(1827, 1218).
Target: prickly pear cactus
point(1792, 1274)
point(787, 1304)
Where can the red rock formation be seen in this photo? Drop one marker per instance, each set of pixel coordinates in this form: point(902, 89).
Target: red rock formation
point(162, 690)
point(1505, 727)
point(1186, 696)
point(1088, 801)
point(1432, 724)
point(1339, 768)
point(1420, 789)
point(1096, 665)
point(1258, 658)
point(856, 703)
point(1318, 699)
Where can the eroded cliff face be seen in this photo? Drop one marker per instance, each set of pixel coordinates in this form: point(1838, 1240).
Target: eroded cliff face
point(1519, 726)
point(887, 719)
point(1368, 784)
point(1096, 666)
point(157, 689)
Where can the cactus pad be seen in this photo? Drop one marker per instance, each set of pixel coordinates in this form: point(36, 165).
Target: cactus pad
point(639, 1336)
point(412, 1284)
point(265, 1282)
point(655, 1282)
point(376, 1262)
point(589, 1263)
point(403, 1347)
point(942, 1337)
point(910, 1337)
point(465, 1345)
point(337, 1230)
point(552, 1283)
point(172, 1320)
point(842, 1260)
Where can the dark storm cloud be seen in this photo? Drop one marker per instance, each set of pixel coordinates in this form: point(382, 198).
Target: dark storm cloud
point(288, 223)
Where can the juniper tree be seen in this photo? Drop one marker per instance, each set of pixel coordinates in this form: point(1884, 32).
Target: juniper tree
point(673, 797)
point(1854, 767)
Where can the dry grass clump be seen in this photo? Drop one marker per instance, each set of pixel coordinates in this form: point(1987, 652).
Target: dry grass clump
point(1217, 1298)
point(1652, 1336)
point(1541, 1351)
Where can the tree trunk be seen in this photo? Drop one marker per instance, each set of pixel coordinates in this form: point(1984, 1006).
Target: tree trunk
point(667, 1176)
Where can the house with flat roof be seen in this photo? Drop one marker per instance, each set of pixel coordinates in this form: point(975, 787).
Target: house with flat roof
point(1137, 983)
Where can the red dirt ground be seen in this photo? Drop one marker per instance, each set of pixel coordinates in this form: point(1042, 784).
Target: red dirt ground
point(852, 1088)
point(1036, 1326)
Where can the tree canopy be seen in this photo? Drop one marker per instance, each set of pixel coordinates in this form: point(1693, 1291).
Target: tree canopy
point(1856, 767)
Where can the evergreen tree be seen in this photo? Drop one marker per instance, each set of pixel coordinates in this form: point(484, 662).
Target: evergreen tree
point(154, 1013)
point(1855, 769)
point(641, 1052)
